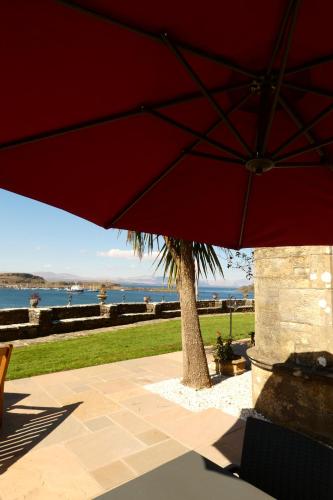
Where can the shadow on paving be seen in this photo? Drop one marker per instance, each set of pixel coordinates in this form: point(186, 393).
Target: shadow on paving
point(25, 426)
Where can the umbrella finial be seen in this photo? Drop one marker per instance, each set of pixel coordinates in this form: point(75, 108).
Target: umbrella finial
point(259, 165)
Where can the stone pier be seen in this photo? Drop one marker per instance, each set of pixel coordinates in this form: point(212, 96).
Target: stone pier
point(292, 360)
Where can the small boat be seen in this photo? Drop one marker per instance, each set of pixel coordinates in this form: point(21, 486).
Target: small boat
point(76, 289)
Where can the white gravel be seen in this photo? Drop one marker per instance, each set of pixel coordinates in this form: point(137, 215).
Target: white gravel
point(232, 395)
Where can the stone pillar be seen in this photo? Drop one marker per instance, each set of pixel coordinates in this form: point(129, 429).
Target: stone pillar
point(292, 360)
point(109, 311)
point(42, 318)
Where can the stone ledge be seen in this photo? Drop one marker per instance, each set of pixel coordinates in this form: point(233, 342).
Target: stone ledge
point(297, 370)
point(15, 326)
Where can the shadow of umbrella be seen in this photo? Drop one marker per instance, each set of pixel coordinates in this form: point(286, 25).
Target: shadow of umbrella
point(25, 426)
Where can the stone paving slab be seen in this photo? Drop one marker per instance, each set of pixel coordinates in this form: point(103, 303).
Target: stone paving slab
point(76, 434)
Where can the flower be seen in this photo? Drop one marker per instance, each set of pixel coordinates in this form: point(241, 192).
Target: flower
point(35, 296)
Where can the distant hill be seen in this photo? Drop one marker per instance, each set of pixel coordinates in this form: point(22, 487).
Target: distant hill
point(21, 279)
point(49, 276)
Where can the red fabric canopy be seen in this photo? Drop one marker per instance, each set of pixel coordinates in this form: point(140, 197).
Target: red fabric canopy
point(206, 121)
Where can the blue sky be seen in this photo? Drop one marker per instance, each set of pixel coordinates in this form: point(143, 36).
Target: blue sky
point(37, 237)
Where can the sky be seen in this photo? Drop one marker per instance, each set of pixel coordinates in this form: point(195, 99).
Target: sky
point(39, 238)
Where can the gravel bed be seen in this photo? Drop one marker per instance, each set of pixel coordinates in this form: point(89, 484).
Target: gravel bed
point(233, 395)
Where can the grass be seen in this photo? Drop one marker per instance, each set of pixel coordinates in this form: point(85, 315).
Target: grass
point(118, 345)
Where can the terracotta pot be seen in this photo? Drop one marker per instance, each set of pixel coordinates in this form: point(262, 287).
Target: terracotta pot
point(217, 366)
point(234, 367)
point(102, 297)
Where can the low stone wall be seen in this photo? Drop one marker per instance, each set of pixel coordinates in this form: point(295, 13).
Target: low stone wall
point(10, 316)
point(37, 322)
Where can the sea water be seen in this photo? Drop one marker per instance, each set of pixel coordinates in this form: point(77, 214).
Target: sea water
point(11, 297)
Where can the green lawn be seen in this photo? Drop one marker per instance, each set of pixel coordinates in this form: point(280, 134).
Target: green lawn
point(129, 343)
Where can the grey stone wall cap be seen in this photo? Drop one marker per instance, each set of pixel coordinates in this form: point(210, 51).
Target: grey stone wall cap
point(265, 363)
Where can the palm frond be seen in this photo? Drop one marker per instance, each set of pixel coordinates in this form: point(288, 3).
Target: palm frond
point(204, 255)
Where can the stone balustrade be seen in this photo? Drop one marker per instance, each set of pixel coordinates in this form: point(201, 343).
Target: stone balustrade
point(25, 323)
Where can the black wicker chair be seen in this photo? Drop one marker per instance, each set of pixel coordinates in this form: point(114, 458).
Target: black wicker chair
point(284, 463)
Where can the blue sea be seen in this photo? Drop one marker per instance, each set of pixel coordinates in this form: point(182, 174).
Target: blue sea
point(10, 297)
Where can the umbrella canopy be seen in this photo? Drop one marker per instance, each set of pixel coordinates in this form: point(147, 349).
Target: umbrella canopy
point(204, 121)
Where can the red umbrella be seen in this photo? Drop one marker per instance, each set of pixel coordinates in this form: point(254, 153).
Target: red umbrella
point(209, 122)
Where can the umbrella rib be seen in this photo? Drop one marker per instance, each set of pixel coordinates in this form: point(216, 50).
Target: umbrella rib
point(266, 86)
point(312, 90)
point(303, 165)
point(325, 112)
point(245, 209)
point(304, 150)
point(199, 135)
point(174, 49)
point(158, 179)
point(86, 124)
point(168, 169)
point(294, 116)
point(156, 37)
point(210, 156)
point(279, 37)
point(198, 95)
point(310, 64)
point(291, 30)
point(146, 189)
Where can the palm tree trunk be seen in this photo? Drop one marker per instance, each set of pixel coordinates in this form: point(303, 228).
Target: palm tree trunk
point(195, 368)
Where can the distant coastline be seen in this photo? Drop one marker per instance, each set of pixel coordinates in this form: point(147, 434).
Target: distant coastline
point(26, 281)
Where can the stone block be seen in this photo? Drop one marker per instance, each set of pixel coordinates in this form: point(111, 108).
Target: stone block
point(14, 316)
point(302, 404)
point(294, 330)
point(311, 306)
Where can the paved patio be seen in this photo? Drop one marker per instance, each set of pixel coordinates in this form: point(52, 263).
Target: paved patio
point(76, 434)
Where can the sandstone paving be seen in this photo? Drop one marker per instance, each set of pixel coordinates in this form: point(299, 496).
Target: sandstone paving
point(77, 434)
point(156, 455)
point(92, 404)
point(152, 436)
point(131, 422)
point(114, 474)
point(123, 395)
point(98, 423)
point(102, 447)
point(147, 404)
point(48, 473)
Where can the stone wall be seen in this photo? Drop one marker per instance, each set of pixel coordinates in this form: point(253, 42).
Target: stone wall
point(9, 316)
point(35, 322)
point(293, 357)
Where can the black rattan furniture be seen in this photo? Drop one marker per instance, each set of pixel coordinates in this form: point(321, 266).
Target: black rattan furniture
point(284, 463)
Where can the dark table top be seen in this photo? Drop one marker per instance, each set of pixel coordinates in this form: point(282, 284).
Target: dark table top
point(189, 477)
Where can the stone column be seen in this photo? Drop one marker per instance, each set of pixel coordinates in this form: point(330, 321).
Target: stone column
point(42, 318)
point(292, 360)
point(109, 311)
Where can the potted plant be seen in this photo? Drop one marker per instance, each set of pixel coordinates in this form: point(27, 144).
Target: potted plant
point(35, 298)
point(226, 361)
point(102, 295)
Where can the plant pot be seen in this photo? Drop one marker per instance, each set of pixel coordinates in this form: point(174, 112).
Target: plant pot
point(34, 302)
point(217, 366)
point(102, 296)
point(233, 367)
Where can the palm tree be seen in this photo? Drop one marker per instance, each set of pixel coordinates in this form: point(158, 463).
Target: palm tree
point(184, 262)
